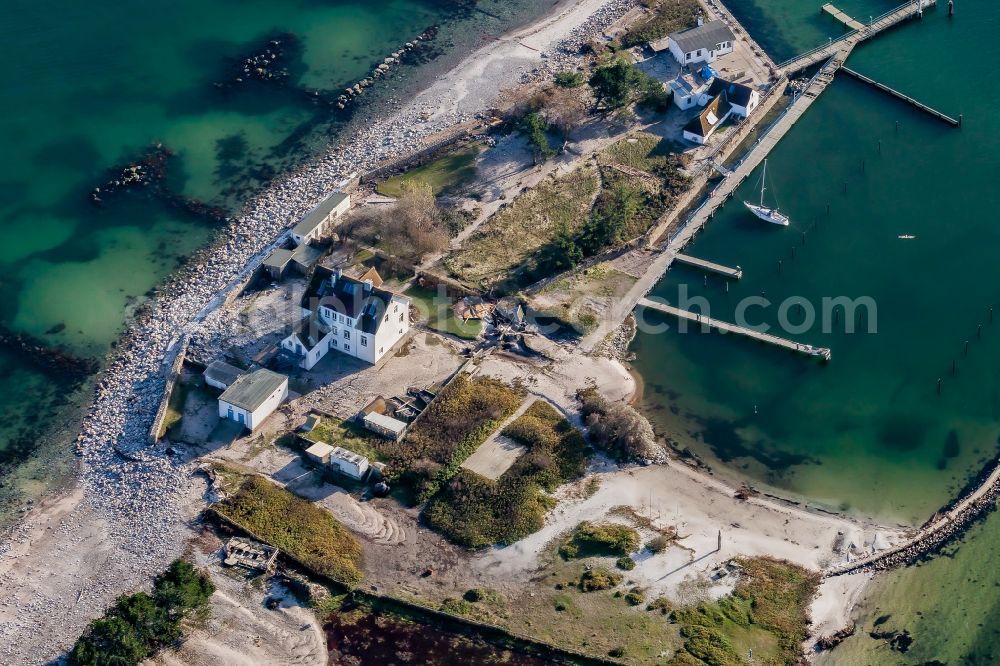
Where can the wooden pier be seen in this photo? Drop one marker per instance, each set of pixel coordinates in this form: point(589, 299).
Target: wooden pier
point(710, 266)
point(726, 327)
point(842, 17)
point(904, 12)
point(900, 96)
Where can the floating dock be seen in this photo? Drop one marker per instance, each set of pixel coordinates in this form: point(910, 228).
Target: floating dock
point(726, 327)
point(710, 266)
point(842, 17)
point(900, 96)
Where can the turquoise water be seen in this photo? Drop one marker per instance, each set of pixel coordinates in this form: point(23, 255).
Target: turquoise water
point(90, 85)
point(867, 431)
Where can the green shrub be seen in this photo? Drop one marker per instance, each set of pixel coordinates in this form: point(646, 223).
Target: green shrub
point(668, 16)
point(635, 597)
point(597, 539)
point(474, 511)
point(625, 563)
point(617, 83)
point(658, 544)
point(569, 79)
point(661, 604)
point(536, 129)
point(599, 578)
point(140, 624)
point(296, 526)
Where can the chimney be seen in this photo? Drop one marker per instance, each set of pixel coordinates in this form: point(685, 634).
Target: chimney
point(368, 286)
point(336, 275)
point(701, 19)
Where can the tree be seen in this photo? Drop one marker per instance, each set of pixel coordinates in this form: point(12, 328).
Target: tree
point(535, 128)
point(616, 427)
point(410, 229)
point(182, 588)
point(618, 83)
point(564, 110)
point(109, 642)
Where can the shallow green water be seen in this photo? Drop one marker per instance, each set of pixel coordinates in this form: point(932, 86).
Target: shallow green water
point(867, 430)
point(90, 85)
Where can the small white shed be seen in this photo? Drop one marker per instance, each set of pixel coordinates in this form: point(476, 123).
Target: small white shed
point(253, 397)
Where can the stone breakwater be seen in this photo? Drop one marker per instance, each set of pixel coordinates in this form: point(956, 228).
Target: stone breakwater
point(135, 496)
point(944, 527)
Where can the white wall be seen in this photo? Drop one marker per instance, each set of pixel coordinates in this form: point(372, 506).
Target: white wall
point(253, 420)
point(349, 468)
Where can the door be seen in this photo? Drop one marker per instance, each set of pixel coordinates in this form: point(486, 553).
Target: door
point(241, 418)
point(230, 413)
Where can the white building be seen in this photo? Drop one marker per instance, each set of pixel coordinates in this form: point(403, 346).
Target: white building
point(354, 317)
point(386, 426)
point(318, 222)
point(252, 397)
point(348, 463)
point(319, 452)
point(691, 88)
point(221, 375)
point(743, 99)
point(703, 43)
point(702, 126)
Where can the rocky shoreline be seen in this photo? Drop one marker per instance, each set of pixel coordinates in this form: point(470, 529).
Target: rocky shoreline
point(139, 492)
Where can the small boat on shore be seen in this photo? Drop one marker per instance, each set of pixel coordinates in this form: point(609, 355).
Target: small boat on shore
point(772, 215)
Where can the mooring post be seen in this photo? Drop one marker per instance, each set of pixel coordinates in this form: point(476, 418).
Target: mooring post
point(991, 315)
point(939, 386)
point(953, 366)
point(779, 266)
point(960, 119)
point(845, 187)
point(880, 146)
point(897, 127)
point(966, 347)
point(803, 238)
point(951, 8)
point(979, 331)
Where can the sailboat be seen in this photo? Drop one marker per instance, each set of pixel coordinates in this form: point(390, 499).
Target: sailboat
point(772, 215)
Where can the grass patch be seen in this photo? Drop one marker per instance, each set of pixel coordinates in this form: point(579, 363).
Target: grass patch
point(440, 316)
point(444, 174)
point(175, 407)
point(668, 16)
point(474, 511)
point(300, 528)
point(508, 241)
point(767, 612)
point(462, 416)
point(599, 540)
point(350, 436)
point(641, 150)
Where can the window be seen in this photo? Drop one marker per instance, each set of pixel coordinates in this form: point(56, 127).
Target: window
point(347, 334)
point(347, 347)
point(333, 343)
point(386, 318)
point(298, 348)
point(334, 330)
point(381, 349)
point(395, 308)
point(699, 51)
point(341, 319)
point(401, 318)
point(689, 55)
point(364, 341)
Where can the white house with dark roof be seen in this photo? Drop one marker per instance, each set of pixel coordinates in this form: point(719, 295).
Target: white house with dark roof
point(703, 43)
point(345, 314)
point(253, 397)
point(318, 222)
point(742, 99)
point(702, 126)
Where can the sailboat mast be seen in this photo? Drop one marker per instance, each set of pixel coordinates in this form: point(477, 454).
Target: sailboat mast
point(763, 180)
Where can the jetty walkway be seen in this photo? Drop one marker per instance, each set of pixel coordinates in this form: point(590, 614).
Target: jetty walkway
point(710, 266)
point(859, 33)
point(898, 95)
point(842, 16)
point(726, 327)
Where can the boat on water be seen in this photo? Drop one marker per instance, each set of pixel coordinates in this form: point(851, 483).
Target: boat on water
point(906, 237)
point(772, 215)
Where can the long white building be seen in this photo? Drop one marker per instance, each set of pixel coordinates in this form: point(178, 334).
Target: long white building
point(348, 315)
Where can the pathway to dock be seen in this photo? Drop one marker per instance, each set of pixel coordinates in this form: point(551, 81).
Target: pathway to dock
point(710, 266)
point(726, 327)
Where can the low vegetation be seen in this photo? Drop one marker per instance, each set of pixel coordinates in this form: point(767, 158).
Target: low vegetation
point(407, 230)
point(569, 79)
point(474, 511)
point(336, 432)
point(617, 428)
point(667, 16)
point(767, 611)
point(600, 539)
point(599, 578)
point(443, 175)
point(536, 128)
point(440, 316)
point(462, 416)
point(140, 624)
point(503, 250)
point(300, 528)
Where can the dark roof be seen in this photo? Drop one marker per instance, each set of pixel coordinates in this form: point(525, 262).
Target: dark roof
point(278, 258)
point(347, 296)
point(222, 372)
point(317, 215)
point(310, 330)
point(703, 36)
point(703, 124)
point(250, 391)
point(736, 93)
